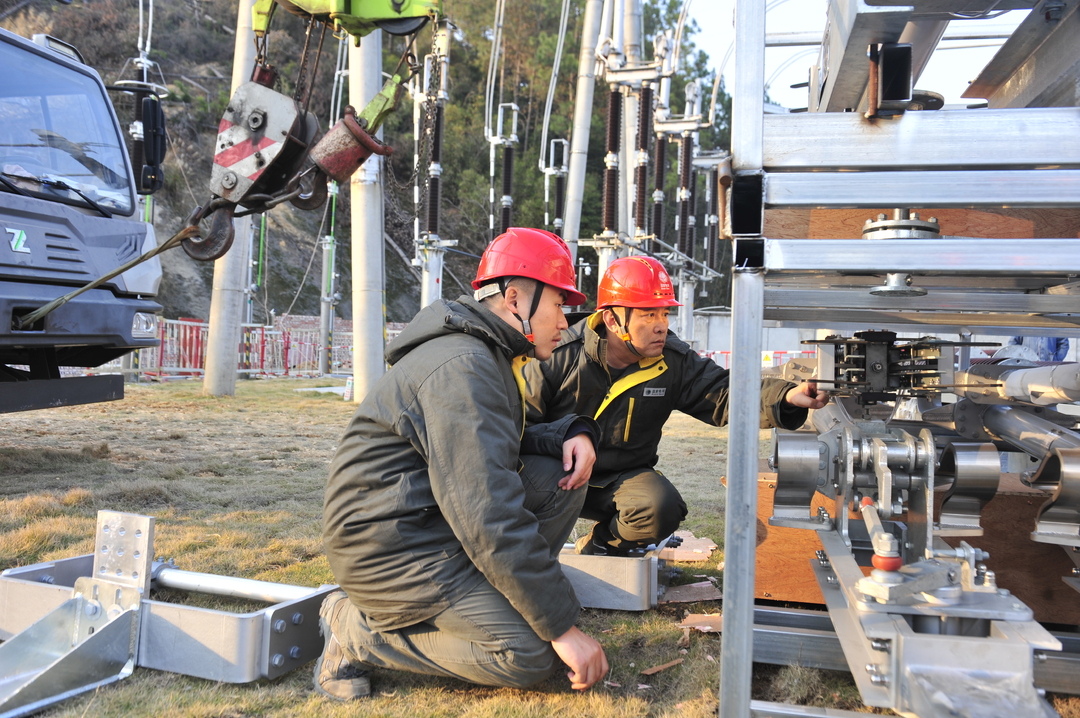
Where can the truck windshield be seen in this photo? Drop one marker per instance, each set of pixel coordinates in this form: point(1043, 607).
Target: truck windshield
point(55, 124)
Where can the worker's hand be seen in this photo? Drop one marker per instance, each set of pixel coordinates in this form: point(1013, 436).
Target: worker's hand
point(583, 654)
point(577, 453)
point(807, 396)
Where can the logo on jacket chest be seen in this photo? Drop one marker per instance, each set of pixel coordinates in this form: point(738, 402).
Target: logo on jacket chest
point(654, 391)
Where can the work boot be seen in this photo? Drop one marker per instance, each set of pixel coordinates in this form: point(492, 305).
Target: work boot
point(335, 677)
point(595, 543)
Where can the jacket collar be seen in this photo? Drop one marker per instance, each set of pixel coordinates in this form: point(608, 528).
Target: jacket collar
point(464, 315)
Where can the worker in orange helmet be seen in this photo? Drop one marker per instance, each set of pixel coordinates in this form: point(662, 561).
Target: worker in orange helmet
point(444, 516)
point(623, 367)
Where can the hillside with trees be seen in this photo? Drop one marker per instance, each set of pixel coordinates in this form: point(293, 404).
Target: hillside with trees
point(192, 44)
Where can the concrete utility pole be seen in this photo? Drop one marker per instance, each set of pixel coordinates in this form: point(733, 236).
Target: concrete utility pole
point(231, 271)
point(365, 81)
point(579, 139)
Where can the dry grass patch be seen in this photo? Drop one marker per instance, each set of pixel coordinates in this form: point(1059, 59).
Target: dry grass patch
point(236, 487)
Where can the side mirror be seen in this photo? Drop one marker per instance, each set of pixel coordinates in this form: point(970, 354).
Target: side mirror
point(152, 177)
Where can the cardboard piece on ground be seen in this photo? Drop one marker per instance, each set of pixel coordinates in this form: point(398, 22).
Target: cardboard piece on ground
point(704, 623)
point(691, 549)
point(691, 593)
point(664, 667)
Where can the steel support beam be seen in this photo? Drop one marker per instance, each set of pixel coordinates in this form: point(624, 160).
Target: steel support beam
point(976, 188)
point(926, 256)
point(947, 139)
point(1037, 66)
point(740, 528)
point(935, 301)
point(842, 70)
point(748, 103)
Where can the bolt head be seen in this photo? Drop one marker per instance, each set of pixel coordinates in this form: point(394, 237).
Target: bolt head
point(278, 660)
point(279, 626)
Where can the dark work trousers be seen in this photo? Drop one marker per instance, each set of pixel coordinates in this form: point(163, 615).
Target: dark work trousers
point(480, 638)
point(639, 507)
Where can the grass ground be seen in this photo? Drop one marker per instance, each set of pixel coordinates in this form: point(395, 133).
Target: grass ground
point(236, 487)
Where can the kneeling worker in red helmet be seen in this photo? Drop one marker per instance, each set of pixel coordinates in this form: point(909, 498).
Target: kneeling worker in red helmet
point(624, 368)
point(444, 515)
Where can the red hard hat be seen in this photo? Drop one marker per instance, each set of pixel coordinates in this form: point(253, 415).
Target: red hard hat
point(635, 282)
point(533, 253)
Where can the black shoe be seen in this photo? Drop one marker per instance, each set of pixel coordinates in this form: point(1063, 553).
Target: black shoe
point(335, 677)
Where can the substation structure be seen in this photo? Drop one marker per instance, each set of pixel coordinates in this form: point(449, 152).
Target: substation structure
point(929, 626)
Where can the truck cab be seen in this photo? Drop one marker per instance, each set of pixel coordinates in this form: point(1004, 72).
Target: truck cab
point(69, 213)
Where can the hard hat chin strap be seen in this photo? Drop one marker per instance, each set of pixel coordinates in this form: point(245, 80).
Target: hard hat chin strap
point(526, 328)
point(624, 330)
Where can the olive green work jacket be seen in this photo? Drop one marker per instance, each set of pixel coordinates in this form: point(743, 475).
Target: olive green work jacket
point(424, 500)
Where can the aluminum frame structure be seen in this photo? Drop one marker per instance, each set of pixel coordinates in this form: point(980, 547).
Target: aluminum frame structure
point(44, 605)
point(835, 159)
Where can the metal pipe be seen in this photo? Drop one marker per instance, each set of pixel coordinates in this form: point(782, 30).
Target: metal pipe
point(740, 511)
point(228, 294)
point(365, 81)
point(579, 148)
point(1027, 432)
point(231, 586)
point(748, 97)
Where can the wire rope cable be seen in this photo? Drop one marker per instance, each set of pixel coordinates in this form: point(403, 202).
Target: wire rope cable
point(563, 21)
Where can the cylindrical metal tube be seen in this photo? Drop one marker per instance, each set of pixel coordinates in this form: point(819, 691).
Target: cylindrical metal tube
point(229, 586)
point(740, 512)
point(1028, 432)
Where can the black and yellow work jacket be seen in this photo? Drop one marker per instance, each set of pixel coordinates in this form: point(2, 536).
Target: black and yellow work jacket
point(632, 409)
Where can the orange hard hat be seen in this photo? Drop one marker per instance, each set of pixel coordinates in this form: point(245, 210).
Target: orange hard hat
point(532, 253)
point(635, 282)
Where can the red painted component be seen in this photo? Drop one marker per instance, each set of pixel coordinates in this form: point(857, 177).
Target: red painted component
point(344, 148)
point(867, 501)
point(887, 563)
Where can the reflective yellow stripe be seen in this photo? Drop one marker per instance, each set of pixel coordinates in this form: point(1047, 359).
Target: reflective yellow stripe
point(516, 365)
point(629, 414)
point(651, 368)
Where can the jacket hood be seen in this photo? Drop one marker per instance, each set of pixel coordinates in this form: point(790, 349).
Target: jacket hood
point(464, 315)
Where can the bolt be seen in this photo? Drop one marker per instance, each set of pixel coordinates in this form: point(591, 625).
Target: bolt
point(1040, 657)
point(876, 366)
point(229, 180)
point(915, 215)
point(279, 626)
point(952, 576)
point(831, 580)
point(932, 220)
point(277, 660)
point(881, 218)
point(872, 668)
point(1076, 571)
point(880, 644)
point(297, 618)
point(879, 680)
point(822, 448)
point(294, 652)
